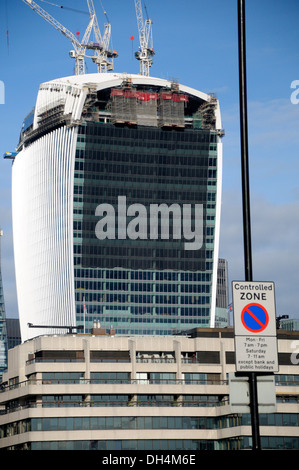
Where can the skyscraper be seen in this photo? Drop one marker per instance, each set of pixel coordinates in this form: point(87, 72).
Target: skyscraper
point(116, 205)
point(3, 329)
point(222, 302)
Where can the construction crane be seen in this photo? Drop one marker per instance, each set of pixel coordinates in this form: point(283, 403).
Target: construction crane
point(146, 50)
point(79, 52)
point(103, 57)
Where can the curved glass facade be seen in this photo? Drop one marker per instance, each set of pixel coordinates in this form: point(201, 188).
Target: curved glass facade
point(143, 285)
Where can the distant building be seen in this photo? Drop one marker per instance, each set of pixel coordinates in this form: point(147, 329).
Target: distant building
point(222, 312)
point(106, 392)
point(290, 324)
point(3, 330)
point(13, 332)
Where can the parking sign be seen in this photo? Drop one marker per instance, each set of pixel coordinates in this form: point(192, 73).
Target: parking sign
point(255, 326)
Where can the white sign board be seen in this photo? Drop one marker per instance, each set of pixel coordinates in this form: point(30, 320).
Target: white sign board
point(239, 395)
point(255, 326)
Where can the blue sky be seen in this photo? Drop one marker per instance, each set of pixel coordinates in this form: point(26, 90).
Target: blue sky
point(196, 42)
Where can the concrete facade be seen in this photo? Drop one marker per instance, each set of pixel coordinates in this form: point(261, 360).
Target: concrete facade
point(105, 392)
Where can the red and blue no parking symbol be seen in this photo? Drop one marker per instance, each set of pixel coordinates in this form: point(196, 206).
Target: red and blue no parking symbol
point(255, 317)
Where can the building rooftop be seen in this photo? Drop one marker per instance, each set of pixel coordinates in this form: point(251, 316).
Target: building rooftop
point(71, 100)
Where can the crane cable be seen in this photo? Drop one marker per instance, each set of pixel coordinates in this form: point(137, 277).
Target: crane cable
point(104, 11)
point(6, 16)
point(65, 8)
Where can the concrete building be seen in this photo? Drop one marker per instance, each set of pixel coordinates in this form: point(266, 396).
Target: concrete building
point(104, 392)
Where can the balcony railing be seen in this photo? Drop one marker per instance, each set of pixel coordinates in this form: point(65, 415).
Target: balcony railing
point(82, 381)
point(115, 403)
point(155, 360)
point(37, 360)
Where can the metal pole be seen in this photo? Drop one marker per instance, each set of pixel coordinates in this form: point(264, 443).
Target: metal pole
point(244, 141)
point(246, 203)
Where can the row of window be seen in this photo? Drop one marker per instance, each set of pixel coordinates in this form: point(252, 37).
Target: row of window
point(140, 135)
point(133, 444)
point(143, 310)
point(236, 443)
point(122, 321)
point(141, 287)
point(142, 275)
point(158, 158)
point(80, 211)
point(107, 178)
point(168, 172)
point(145, 299)
point(156, 377)
point(175, 154)
point(129, 400)
point(146, 326)
point(54, 401)
point(183, 194)
point(89, 225)
point(142, 422)
point(136, 147)
point(120, 422)
point(162, 156)
point(110, 261)
point(149, 251)
point(147, 400)
point(125, 377)
point(157, 330)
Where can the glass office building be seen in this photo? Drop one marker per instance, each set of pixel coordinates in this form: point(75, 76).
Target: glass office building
point(117, 188)
point(3, 327)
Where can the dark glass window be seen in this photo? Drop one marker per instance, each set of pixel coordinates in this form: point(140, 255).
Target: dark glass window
point(147, 166)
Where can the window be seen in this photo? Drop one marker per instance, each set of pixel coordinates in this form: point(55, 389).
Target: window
point(156, 377)
point(110, 377)
point(62, 377)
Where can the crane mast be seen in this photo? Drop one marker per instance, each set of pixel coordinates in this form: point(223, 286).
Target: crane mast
point(103, 58)
point(146, 50)
point(99, 47)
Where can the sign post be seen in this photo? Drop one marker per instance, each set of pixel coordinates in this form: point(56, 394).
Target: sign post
point(255, 326)
point(255, 338)
point(246, 202)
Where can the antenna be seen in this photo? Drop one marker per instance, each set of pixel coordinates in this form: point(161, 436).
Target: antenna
point(146, 50)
